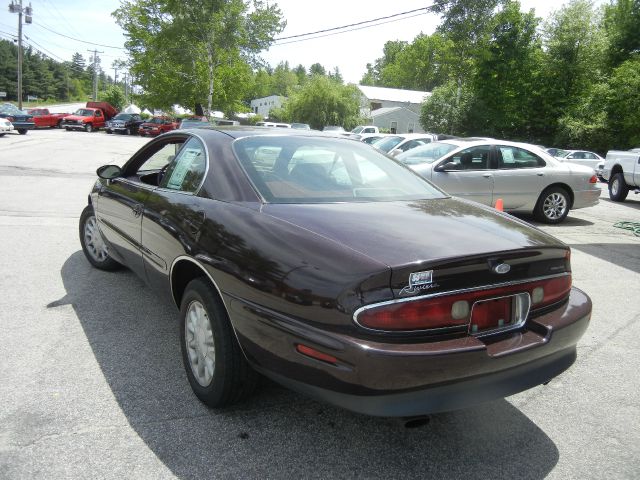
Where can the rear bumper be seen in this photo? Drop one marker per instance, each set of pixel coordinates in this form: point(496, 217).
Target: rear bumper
point(585, 198)
point(403, 379)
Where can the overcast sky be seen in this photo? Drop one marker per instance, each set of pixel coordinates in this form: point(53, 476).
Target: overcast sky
point(90, 20)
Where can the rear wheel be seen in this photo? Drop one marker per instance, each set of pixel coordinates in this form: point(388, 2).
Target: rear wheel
point(216, 368)
point(22, 131)
point(88, 127)
point(552, 206)
point(92, 242)
point(618, 188)
point(67, 129)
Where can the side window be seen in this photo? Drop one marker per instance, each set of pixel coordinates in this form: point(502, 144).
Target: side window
point(160, 158)
point(474, 158)
point(187, 169)
point(514, 157)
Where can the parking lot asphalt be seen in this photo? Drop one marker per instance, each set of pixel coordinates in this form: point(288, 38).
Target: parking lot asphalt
point(92, 384)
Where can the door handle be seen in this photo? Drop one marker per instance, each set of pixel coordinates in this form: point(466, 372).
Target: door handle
point(194, 222)
point(487, 175)
point(540, 174)
point(137, 210)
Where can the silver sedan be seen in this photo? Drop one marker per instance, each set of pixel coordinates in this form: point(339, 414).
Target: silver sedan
point(523, 176)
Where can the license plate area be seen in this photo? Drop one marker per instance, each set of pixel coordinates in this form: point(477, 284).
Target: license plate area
point(499, 314)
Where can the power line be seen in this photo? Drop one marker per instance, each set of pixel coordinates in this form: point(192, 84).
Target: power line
point(72, 29)
point(355, 24)
point(350, 30)
point(77, 39)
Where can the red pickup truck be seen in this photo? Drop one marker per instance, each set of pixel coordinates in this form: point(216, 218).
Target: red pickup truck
point(90, 118)
point(43, 118)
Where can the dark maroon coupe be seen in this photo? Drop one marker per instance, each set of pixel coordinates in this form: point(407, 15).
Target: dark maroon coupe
point(329, 267)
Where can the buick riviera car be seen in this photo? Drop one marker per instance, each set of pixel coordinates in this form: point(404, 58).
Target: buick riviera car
point(525, 177)
point(333, 269)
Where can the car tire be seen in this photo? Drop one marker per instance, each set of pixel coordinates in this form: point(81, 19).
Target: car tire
point(59, 124)
point(22, 131)
point(552, 206)
point(109, 131)
point(88, 127)
point(618, 188)
point(67, 129)
point(215, 365)
point(92, 243)
point(2, 134)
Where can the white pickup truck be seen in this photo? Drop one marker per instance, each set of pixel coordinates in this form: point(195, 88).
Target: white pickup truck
point(622, 171)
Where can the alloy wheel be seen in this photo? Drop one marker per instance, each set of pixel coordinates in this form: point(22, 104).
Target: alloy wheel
point(555, 206)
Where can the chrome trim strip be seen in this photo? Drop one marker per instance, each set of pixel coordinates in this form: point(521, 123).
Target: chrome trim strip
point(441, 294)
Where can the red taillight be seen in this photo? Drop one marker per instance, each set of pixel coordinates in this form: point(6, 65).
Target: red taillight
point(593, 179)
point(450, 311)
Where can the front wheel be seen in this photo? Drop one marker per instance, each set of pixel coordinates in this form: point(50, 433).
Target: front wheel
point(67, 129)
point(216, 368)
point(88, 127)
point(618, 188)
point(552, 206)
point(22, 131)
point(92, 242)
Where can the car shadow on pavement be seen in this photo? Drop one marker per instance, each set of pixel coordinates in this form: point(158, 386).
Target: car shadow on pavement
point(567, 222)
point(632, 201)
point(277, 433)
point(625, 255)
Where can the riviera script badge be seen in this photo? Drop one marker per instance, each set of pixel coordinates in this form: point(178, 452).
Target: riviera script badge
point(419, 281)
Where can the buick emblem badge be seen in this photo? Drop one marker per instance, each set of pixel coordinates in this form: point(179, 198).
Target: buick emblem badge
point(502, 268)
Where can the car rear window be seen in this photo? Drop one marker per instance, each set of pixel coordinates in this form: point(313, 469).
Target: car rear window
point(321, 170)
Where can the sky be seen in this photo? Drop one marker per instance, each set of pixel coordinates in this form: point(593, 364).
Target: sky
point(91, 26)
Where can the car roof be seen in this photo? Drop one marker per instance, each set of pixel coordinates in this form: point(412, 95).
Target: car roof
point(240, 131)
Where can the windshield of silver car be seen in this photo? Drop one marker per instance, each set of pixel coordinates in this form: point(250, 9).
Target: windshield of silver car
point(426, 153)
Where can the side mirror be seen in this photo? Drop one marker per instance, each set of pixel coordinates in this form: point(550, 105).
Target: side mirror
point(448, 167)
point(109, 172)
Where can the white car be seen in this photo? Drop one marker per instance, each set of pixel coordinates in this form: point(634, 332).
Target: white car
point(523, 176)
point(579, 157)
point(5, 126)
point(396, 144)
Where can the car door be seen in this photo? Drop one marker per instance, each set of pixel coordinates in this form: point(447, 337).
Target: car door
point(120, 203)
point(466, 174)
point(173, 213)
point(519, 177)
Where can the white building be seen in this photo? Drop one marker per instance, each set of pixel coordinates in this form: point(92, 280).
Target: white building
point(396, 120)
point(393, 109)
point(262, 106)
point(374, 98)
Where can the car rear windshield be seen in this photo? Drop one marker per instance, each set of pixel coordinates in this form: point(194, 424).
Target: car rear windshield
point(300, 169)
point(426, 153)
point(122, 116)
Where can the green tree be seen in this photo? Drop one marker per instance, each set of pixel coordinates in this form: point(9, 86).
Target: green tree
point(114, 95)
point(623, 105)
point(622, 24)
point(504, 88)
point(178, 49)
point(446, 110)
point(323, 101)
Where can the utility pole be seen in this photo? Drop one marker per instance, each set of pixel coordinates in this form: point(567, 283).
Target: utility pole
point(126, 101)
point(95, 73)
point(16, 7)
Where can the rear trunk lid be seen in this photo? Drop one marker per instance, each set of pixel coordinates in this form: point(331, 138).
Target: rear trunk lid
point(458, 244)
